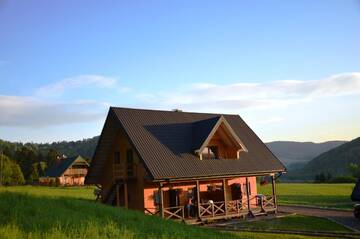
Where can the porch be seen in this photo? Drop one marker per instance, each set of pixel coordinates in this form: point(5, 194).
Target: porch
point(212, 200)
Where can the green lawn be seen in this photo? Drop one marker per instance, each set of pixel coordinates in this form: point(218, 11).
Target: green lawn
point(322, 195)
point(43, 212)
point(295, 223)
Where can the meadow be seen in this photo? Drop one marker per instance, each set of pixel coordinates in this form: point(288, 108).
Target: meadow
point(56, 212)
point(308, 194)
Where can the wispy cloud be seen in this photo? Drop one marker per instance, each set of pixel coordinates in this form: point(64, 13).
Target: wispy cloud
point(32, 112)
point(233, 97)
point(97, 81)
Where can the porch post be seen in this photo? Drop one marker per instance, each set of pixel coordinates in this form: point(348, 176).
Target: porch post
point(161, 200)
point(198, 197)
point(225, 198)
point(248, 195)
point(126, 195)
point(273, 184)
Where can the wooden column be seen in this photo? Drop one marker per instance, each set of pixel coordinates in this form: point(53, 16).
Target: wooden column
point(126, 195)
point(273, 184)
point(248, 195)
point(198, 197)
point(225, 197)
point(117, 196)
point(161, 200)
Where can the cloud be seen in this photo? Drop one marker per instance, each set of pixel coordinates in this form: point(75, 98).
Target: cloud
point(31, 112)
point(98, 81)
point(233, 97)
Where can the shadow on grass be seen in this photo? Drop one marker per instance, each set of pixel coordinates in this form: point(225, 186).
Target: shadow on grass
point(79, 218)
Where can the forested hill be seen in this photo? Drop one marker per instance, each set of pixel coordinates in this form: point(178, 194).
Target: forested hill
point(335, 161)
point(291, 152)
point(85, 147)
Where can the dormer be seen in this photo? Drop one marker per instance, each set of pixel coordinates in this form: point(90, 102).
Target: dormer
point(215, 139)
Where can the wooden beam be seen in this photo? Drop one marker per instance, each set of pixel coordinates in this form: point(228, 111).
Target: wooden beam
point(248, 195)
point(161, 200)
point(225, 197)
point(126, 195)
point(117, 196)
point(198, 196)
point(273, 184)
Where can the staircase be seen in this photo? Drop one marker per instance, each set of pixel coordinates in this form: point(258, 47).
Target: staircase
point(110, 198)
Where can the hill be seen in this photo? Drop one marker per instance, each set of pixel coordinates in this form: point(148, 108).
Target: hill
point(293, 153)
point(335, 161)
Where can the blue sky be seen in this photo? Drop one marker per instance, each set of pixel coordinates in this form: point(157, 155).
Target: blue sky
point(290, 69)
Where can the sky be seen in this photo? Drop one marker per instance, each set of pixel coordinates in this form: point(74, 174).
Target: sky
point(290, 69)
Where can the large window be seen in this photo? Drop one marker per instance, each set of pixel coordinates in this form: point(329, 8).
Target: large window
point(130, 162)
point(116, 157)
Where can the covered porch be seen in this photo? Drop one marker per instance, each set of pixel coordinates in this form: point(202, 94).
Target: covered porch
point(205, 200)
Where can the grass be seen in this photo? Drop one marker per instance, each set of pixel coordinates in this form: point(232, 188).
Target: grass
point(295, 223)
point(321, 195)
point(43, 212)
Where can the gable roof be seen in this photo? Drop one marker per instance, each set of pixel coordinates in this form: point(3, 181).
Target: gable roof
point(221, 120)
point(166, 140)
point(57, 170)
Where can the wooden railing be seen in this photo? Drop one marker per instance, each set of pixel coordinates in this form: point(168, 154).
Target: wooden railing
point(174, 212)
point(212, 209)
point(152, 211)
point(234, 208)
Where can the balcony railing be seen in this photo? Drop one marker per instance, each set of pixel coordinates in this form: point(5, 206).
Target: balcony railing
point(76, 171)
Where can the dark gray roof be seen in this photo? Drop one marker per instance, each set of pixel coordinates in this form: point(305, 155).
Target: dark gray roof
point(58, 169)
point(165, 141)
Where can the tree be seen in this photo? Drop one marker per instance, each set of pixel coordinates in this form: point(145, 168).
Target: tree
point(354, 169)
point(10, 171)
point(26, 156)
point(51, 157)
point(34, 177)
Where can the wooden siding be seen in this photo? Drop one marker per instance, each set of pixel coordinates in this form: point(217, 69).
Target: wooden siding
point(118, 171)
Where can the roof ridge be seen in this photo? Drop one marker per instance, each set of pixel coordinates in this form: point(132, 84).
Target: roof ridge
point(169, 111)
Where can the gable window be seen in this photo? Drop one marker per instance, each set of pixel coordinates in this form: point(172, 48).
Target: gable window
point(210, 152)
point(129, 162)
point(116, 157)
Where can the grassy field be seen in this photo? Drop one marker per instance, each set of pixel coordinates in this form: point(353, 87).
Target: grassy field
point(42, 212)
point(322, 195)
point(295, 223)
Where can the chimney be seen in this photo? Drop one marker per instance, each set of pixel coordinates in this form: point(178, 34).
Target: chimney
point(177, 110)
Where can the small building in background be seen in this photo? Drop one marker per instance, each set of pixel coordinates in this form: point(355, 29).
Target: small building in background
point(66, 172)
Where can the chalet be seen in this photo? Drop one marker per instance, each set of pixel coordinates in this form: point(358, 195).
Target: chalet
point(66, 171)
point(181, 165)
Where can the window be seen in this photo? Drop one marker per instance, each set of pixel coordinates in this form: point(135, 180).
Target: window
point(210, 152)
point(129, 162)
point(116, 157)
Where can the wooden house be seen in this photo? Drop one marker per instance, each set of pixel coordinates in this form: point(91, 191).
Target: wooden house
point(66, 171)
point(181, 165)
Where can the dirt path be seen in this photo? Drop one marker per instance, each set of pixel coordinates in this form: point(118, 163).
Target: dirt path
point(345, 218)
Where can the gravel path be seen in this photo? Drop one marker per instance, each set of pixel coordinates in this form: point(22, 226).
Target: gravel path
point(345, 218)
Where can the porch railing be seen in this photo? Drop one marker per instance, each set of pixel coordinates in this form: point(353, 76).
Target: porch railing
point(174, 212)
point(212, 209)
point(234, 208)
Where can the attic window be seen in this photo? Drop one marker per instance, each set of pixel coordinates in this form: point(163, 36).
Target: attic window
point(210, 152)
